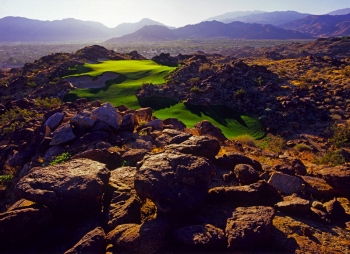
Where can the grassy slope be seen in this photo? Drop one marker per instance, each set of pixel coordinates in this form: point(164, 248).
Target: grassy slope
point(122, 90)
point(135, 72)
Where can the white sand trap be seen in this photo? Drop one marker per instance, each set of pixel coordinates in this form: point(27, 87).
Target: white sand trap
point(87, 81)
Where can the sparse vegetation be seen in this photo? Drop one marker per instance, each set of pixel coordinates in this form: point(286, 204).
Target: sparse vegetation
point(61, 158)
point(330, 158)
point(340, 135)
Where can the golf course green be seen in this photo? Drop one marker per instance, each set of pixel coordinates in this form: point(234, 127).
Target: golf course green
point(134, 73)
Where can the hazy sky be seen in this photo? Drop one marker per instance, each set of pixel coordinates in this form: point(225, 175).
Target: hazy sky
point(170, 12)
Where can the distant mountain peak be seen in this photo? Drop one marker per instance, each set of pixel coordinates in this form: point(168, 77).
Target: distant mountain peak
point(340, 12)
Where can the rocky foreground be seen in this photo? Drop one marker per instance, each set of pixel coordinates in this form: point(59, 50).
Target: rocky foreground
point(131, 183)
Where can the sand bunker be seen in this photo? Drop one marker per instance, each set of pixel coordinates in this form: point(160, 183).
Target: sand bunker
point(87, 81)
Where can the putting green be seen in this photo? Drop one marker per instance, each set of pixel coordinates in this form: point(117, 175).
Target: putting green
point(133, 73)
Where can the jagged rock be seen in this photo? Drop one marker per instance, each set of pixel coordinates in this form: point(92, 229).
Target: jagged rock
point(107, 114)
point(294, 205)
point(197, 145)
point(178, 139)
point(62, 134)
point(175, 182)
point(128, 123)
point(125, 205)
point(335, 211)
point(156, 124)
point(103, 145)
point(88, 140)
point(141, 144)
point(150, 237)
point(318, 188)
point(143, 115)
point(133, 156)
point(200, 237)
point(338, 178)
point(206, 128)
point(260, 193)
point(24, 223)
point(110, 158)
point(249, 227)
point(285, 183)
point(174, 123)
point(48, 186)
point(92, 242)
point(246, 174)
point(237, 158)
point(54, 121)
point(82, 121)
point(96, 103)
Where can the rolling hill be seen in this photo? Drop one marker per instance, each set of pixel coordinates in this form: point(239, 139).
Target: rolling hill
point(322, 25)
point(209, 29)
point(232, 15)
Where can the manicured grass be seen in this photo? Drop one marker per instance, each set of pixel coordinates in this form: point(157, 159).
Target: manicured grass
point(123, 90)
point(133, 73)
point(230, 122)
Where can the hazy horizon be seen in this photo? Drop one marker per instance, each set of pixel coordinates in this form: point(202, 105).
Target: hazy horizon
point(172, 13)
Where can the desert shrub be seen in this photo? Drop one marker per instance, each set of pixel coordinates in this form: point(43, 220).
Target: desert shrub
point(272, 143)
point(195, 89)
point(239, 93)
point(205, 67)
point(302, 147)
point(4, 180)
point(340, 135)
point(48, 102)
point(61, 158)
point(246, 139)
point(331, 158)
point(194, 81)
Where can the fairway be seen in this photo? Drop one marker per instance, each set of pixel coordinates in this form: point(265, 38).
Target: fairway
point(121, 90)
point(133, 73)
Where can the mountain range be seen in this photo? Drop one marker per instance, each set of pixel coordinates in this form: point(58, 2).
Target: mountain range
point(18, 29)
point(210, 29)
point(252, 25)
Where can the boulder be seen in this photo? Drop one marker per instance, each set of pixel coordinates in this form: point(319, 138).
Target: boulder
point(54, 121)
point(92, 242)
point(62, 134)
point(260, 193)
point(197, 145)
point(133, 156)
point(175, 182)
point(318, 188)
point(107, 114)
point(143, 115)
point(206, 128)
point(82, 121)
point(125, 205)
point(249, 227)
point(88, 140)
point(285, 183)
point(200, 237)
point(174, 123)
point(178, 139)
point(337, 177)
point(21, 224)
point(237, 158)
point(110, 158)
point(294, 205)
point(73, 187)
point(128, 123)
point(246, 174)
point(150, 237)
point(53, 152)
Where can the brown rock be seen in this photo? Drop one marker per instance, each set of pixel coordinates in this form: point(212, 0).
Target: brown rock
point(249, 227)
point(318, 188)
point(92, 242)
point(206, 128)
point(237, 158)
point(110, 158)
point(72, 187)
point(285, 183)
point(62, 134)
point(293, 205)
point(133, 156)
point(150, 237)
point(246, 174)
point(200, 237)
